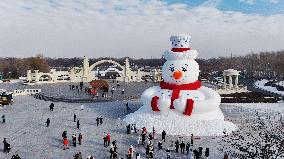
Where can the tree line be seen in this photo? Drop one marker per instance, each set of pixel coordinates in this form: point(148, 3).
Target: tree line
point(263, 64)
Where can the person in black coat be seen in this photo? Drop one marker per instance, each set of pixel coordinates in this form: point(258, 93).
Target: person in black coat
point(160, 145)
point(164, 135)
point(177, 146)
point(98, 121)
point(64, 134)
point(187, 147)
point(7, 147)
point(74, 116)
point(207, 152)
point(101, 120)
point(47, 122)
point(51, 106)
point(182, 147)
point(78, 124)
point(74, 140)
point(128, 129)
point(3, 119)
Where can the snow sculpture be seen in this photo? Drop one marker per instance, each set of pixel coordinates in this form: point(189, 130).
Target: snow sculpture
point(180, 105)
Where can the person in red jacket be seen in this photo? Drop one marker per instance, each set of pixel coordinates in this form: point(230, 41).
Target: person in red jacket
point(108, 139)
point(65, 144)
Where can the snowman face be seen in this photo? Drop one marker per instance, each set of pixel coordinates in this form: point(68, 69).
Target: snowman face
point(180, 71)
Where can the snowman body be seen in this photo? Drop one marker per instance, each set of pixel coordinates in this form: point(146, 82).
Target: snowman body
point(180, 105)
point(176, 73)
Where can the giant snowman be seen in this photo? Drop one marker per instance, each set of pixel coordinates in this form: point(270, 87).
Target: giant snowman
point(180, 105)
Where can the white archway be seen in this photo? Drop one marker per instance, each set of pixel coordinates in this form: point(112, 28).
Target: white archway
point(105, 61)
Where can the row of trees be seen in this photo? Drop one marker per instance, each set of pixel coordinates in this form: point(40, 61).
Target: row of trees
point(260, 64)
point(16, 67)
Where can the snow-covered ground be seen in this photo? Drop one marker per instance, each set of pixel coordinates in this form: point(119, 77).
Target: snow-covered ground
point(25, 128)
point(261, 84)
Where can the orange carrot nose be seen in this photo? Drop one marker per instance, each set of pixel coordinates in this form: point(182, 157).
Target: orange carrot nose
point(177, 74)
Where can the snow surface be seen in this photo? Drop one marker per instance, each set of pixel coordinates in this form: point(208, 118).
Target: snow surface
point(176, 124)
point(261, 84)
point(25, 128)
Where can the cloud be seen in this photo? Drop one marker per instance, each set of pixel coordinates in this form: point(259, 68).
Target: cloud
point(211, 3)
point(130, 28)
point(248, 1)
point(274, 1)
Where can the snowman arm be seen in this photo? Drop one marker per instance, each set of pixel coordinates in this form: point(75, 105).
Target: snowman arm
point(148, 94)
point(154, 103)
point(188, 107)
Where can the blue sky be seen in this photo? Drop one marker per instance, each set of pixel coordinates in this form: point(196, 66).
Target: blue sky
point(261, 7)
point(139, 29)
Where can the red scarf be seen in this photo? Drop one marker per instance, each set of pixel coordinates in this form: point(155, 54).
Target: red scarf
point(176, 89)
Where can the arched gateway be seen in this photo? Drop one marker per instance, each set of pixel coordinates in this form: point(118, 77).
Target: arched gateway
point(84, 74)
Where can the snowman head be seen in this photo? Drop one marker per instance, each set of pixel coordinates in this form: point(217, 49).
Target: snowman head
point(180, 71)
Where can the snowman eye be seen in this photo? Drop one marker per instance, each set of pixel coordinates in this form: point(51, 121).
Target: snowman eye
point(184, 69)
point(172, 69)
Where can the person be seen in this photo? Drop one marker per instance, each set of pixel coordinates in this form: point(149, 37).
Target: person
point(132, 129)
point(47, 122)
point(3, 119)
point(154, 133)
point(76, 156)
point(108, 139)
point(150, 138)
point(105, 141)
point(172, 146)
point(74, 116)
point(200, 151)
point(196, 154)
point(122, 91)
point(187, 147)
point(127, 107)
point(207, 152)
point(64, 134)
point(82, 107)
point(160, 147)
point(51, 106)
point(182, 147)
point(97, 95)
point(7, 147)
point(117, 84)
point(80, 137)
point(135, 129)
point(191, 139)
point(112, 90)
point(138, 156)
point(101, 120)
point(111, 151)
point(164, 135)
point(78, 124)
point(130, 152)
point(151, 150)
point(177, 146)
point(98, 121)
point(143, 135)
point(16, 156)
point(65, 143)
point(128, 129)
point(168, 151)
point(74, 139)
point(139, 141)
point(190, 154)
point(226, 156)
point(80, 156)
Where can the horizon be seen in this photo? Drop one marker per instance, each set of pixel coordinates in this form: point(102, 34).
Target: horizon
point(139, 29)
